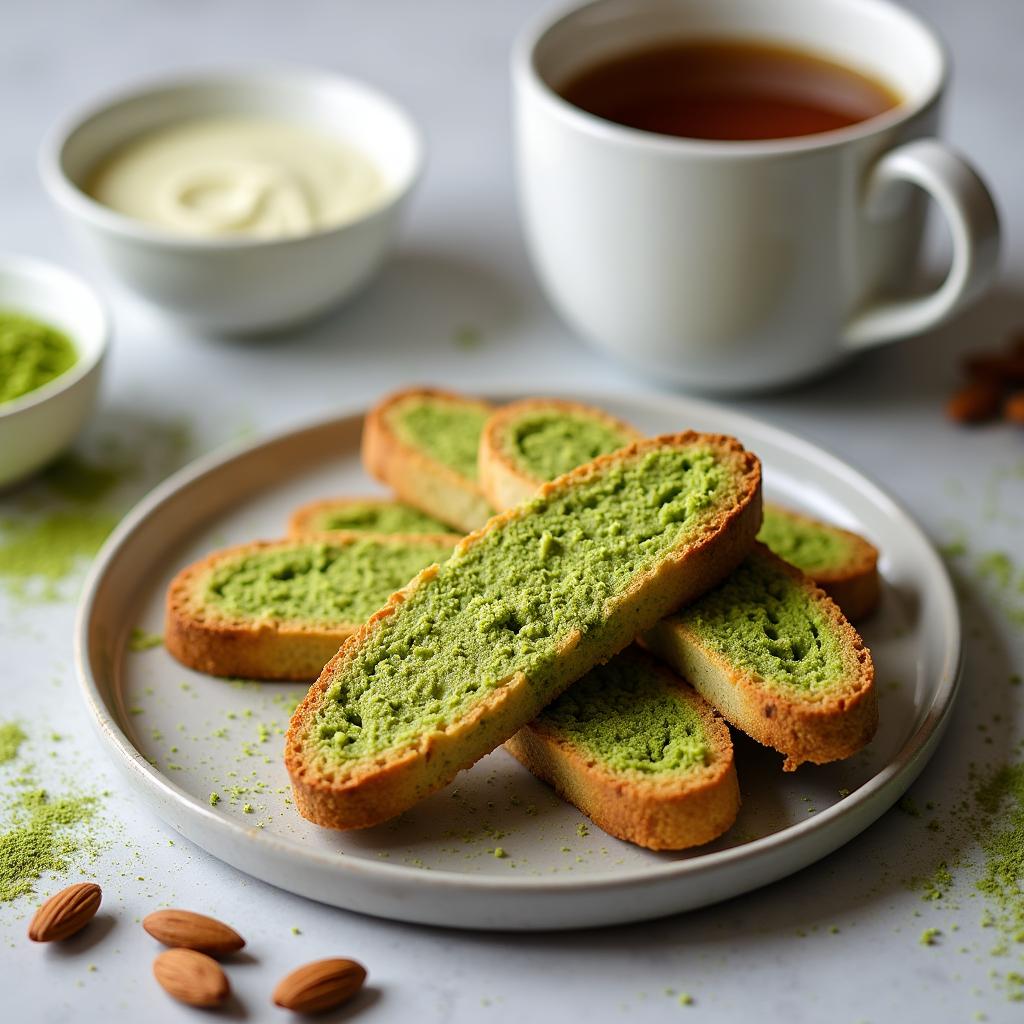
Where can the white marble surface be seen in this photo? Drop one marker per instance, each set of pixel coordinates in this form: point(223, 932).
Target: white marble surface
point(839, 942)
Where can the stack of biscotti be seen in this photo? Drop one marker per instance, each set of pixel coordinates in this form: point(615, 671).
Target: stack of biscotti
point(476, 650)
point(768, 648)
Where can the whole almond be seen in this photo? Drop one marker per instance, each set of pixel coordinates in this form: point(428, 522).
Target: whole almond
point(320, 986)
point(191, 977)
point(65, 912)
point(183, 929)
point(1005, 369)
point(1014, 408)
point(975, 402)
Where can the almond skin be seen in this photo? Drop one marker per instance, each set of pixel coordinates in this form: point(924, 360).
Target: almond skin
point(183, 929)
point(1014, 408)
point(65, 912)
point(320, 985)
point(976, 402)
point(191, 977)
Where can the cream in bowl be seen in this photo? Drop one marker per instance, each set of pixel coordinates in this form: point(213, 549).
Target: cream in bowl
point(53, 338)
point(239, 177)
point(238, 203)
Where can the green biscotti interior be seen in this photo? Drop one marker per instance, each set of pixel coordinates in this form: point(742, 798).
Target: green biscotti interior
point(317, 583)
point(811, 546)
point(549, 442)
point(447, 431)
point(765, 622)
point(375, 517)
point(508, 601)
point(31, 354)
point(630, 719)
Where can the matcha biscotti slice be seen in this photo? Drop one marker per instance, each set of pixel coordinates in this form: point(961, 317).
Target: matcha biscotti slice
point(362, 515)
point(281, 609)
point(526, 443)
point(423, 444)
point(473, 649)
point(842, 563)
point(774, 654)
point(639, 752)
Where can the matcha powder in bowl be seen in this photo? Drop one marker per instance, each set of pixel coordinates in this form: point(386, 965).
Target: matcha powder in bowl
point(31, 354)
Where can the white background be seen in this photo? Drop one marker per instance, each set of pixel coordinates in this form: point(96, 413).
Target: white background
point(772, 955)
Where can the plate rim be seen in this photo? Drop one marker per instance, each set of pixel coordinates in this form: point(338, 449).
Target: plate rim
point(872, 798)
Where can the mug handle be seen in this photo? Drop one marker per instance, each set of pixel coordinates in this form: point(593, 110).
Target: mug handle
point(967, 205)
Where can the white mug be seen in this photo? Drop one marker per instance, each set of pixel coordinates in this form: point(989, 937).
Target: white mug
point(739, 266)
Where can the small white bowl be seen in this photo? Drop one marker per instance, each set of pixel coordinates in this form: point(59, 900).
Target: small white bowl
point(239, 286)
point(37, 427)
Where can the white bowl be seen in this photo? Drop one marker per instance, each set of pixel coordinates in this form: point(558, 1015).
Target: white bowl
point(238, 285)
point(38, 426)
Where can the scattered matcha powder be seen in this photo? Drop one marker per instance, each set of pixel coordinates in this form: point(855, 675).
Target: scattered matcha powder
point(908, 806)
point(930, 937)
point(11, 738)
point(997, 566)
point(43, 834)
point(140, 640)
point(80, 480)
point(467, 337)
point(49, 549)
point(40, 550)
point(1002, 796)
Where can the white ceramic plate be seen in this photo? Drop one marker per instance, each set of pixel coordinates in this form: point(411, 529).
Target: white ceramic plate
point(180, 736)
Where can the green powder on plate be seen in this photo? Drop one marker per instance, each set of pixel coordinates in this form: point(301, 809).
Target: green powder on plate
point(140, 640)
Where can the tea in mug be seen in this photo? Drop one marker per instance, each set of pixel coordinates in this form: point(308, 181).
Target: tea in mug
point(727, 91)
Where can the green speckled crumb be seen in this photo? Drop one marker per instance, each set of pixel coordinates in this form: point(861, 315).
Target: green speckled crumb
point(763, 621)
point(625, 716)
point(930, 937)
point(323, 583)
point(447, 431)
point(811, 547)
point(508, 602)
point(548, 442)
point(376, 517)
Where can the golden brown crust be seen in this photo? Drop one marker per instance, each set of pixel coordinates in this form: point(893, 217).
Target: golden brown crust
point(416, 478)
point(503, 480)
point(205, 640)
point(673, 812)
point(357, 794)
point(855, 586)
point(815, 727)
